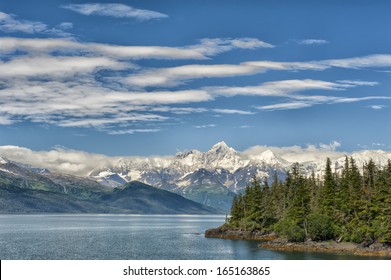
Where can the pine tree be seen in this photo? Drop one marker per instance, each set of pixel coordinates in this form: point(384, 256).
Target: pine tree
point(328, 191)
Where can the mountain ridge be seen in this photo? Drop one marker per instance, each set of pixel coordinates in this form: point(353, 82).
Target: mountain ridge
point(211, 178)
point(229, 168)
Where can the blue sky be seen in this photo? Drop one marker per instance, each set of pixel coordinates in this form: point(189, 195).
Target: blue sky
point(155, 77)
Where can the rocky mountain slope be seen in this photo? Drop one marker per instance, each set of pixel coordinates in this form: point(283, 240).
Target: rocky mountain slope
point(210, 178)
point(25, 189)
point(213, 177)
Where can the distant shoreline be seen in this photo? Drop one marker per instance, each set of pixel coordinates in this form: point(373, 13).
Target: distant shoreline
point(272, 242)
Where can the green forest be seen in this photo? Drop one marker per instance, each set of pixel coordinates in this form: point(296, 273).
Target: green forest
point(349, 206)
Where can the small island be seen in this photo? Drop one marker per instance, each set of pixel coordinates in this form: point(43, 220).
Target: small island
point(345, 211)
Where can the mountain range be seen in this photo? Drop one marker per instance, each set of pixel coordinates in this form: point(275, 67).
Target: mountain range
point(212, 177)
point(209, 178)
point(25, 189)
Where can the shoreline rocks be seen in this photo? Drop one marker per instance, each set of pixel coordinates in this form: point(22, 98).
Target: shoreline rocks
point(239, 234)
point(375, 250)
point(272, 242)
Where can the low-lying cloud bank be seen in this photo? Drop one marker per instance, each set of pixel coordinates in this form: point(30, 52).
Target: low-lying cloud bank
point(82, 163)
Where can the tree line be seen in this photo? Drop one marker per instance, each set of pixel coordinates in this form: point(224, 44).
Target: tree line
point(344, 206)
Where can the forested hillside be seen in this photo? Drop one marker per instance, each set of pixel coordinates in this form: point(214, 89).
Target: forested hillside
point(346, 206)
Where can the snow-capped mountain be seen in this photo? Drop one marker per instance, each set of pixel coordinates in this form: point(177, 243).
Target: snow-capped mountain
point(3, 160)
point(210, 177)
point(379, 157)
point(228, 165)
point(207, 177)
point(221, 170)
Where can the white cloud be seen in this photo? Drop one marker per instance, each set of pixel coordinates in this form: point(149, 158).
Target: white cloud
point(10, 24)
point(332, 146)
point(277, 88)
point(313, 42)
point(285, 106)
point(300, 154)
point(377, 107)
point(101, 122)
point(370, 61)
point(358, 83)
point(5, 120)
point(33, 66)
point(205, 125)
point(58, 160)
point(132, 131)
point(203, 50)
point(114, 10)
point(378, 144)
point(214, 46)
point(309, 101)
point(173, 76)
point(65, 25)
point(289, 88)
point(177, 110)
point(232, 111)
point(85, 103)
point(40, 86)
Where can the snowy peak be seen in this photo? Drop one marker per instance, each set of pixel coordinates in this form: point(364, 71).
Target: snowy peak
point(378, 157)
point(269, 158)
point(182, 155)
point(222, 156)
point(3, 160)
point(221, 147)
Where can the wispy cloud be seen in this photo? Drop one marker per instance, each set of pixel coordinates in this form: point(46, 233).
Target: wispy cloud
point(378, 144)
point(38, 83)
point(245, 126)
point(285, 106)
point(312, 42)
point(114, 10)
point(370, 61)
point(33, 66)
point(85, 103)
point(312, 152)
point(232, 111)
point(377, 107)
point(132, 131)
point(278, 88)
point(205, 49)
point(103, 122)
point(290, 88)
point(213, 46)
point(59, 159)
point(173, 76)
point(309, 101)
point(205, 125)
point(169, 77)
point(5, 120)
point(332, 146)
point(10, 24)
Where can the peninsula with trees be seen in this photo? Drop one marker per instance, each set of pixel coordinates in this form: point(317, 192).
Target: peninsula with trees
point(347, 211)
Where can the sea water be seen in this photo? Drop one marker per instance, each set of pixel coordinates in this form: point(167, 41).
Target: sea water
point(129, 237)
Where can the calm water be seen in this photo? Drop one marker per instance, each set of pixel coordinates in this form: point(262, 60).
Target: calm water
point(127, 237)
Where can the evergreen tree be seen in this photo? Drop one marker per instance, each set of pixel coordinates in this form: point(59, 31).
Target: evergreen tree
point(350, 206)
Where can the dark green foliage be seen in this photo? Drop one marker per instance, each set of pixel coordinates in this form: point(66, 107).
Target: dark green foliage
point(320, 227)
point(347, 205)
point(290, 230)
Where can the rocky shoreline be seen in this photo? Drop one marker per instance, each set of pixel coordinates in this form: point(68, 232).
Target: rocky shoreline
point(272, 242)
